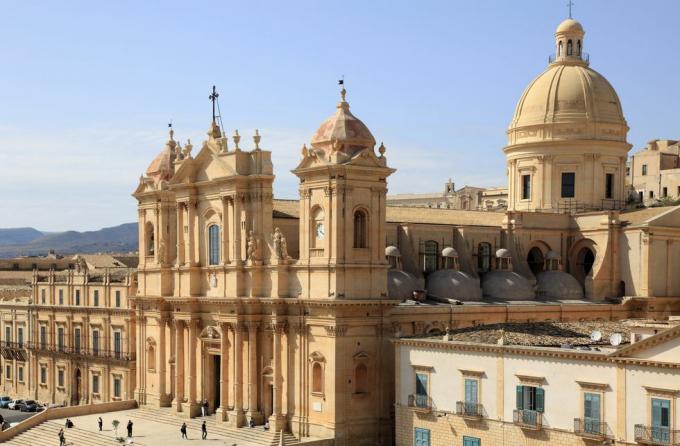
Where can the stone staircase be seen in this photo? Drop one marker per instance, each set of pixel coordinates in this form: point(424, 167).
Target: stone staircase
point(47, 434)
point(244, 436)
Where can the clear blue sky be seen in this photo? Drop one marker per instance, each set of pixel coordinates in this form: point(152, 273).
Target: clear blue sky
point(87, 88)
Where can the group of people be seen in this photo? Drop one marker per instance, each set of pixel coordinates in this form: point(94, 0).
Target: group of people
point(204, 430)
point(100, 423)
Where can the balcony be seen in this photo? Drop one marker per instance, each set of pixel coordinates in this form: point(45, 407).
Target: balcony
point(91, 353)
point(593, 429)
point(469, 410)
point(420, 403)
point(656, 435)
point(527, 419)
point(13, 350)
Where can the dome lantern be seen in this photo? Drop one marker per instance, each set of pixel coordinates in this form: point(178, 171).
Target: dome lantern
point(569, 44)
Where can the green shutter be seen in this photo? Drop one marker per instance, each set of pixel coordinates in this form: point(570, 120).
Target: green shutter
point(519, 403)
point(540, 400)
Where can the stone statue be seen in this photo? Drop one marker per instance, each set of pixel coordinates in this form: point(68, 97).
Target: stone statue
point(161, 252)
point(213, 280)
point(280, 244)
point(253, 251)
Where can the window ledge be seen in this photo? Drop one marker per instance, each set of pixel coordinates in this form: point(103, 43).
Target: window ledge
point(319, 394)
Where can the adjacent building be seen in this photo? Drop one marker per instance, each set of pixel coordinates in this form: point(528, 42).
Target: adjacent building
point(466, 198)
point(653, 173)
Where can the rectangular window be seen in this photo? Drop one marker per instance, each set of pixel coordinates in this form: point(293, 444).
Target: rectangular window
point(117, 343)
point(61, 297)
point(76, 339)
point(665, 192)
point(20, 337)
point(471, 391)
point(95, 341)
point(644, 169)
point(661, 421)
point(117, 299)
point(591, 412)
point(20, 374)
point(77, 297)
point(116, 387)
point(95, 383)
point(526, 187)
point(60, 378)
point(60, 338)
point(43, 299)
point(609, 186)
point(422, 437)
point(568, 184)
point(530, 401)
point(651, 194)
point(43, 337)
point(8, 335)
point(43, 375)
point(471, 441)
point(8, 372)
point(95, 298)
point(421, 390)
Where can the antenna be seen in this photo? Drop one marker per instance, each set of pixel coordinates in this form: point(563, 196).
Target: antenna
point(615, 339)
point(595, 336)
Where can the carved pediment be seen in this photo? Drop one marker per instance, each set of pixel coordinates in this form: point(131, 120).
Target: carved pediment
point(317, 357)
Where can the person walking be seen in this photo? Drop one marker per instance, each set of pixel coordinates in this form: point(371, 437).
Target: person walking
point(204, 431)
point(62, 438)
point(183, 430)
point(100, 423)
point(129, 428)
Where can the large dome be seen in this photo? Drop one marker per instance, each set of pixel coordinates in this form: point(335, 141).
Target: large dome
point(569, 100)
point(344, 129)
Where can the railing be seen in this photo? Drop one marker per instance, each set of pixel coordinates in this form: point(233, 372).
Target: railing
point(13, 350)
point(656, 435)
point(10, 344)
point(527, 418)
point(469, 410)
point(590, 428)
point(420, 402)
point(583, 56)
point(91, 352)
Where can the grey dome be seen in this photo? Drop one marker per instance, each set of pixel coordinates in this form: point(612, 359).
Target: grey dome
point(449, 252)
point(507, 285)
point(558, 285)
point(400, 284)
point(448, 284)
point(392, 251)
point(503, 254)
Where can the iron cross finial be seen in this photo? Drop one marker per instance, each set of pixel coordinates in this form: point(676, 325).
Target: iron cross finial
point(570, 4)
point(213, 97)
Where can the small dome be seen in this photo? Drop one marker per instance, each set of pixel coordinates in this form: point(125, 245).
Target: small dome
point(449, 252)
point(507, 285)
point(400, 284)
point(552, 255)
point(392, 251)
point(161, 168)
point(503, 254)
point(558, 285)
point(448, 284)
point(343, 128)
point(569, 26)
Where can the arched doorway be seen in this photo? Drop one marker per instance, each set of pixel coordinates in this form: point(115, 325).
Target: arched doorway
point(535, 260)
point(75, 391)
point(585, 260)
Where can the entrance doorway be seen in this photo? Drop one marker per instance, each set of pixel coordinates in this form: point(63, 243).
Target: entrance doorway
point(75, 392)
point(535, 260)
point(216, 388)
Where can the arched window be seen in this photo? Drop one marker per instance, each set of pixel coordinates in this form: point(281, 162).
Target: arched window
point(317, 229)
point(360, 229)
point(570, 48)
point(151, 357)
point(150, 240)
point(317, 378)
point(213, 245)
point(579, 47)
point(361, 379)
point(484, 257)
point(559, 49)
point(430, 256)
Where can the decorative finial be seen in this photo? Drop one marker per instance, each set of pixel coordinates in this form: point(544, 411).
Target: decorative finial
point(570, 4)
point(304, 150)
point(382, 149)
point(187, 149)
point(257, 139)
point(237, 139)
point(343, 92)
point(172, 132)
point(213, 98)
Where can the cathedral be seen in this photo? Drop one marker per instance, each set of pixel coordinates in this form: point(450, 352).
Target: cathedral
point(284, 310)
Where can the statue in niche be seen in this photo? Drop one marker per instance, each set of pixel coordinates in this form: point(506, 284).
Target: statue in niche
point(253, 253)
point(280, 245)
point(213, 280)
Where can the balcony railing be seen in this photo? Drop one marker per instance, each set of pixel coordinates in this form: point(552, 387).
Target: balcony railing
point(420, 402)
point(585, 427)
point(90, 353)
point(656, 435)
point(469, 410)
point(583, 56)
point(13, 350)
point(529, 419)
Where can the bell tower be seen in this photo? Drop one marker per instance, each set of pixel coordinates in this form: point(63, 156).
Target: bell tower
point(343, 184)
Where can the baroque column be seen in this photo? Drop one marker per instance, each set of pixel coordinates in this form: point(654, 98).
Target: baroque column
point(276, 420)
point(221, 413)
point(238, 419)
point(193, 336)
point(252, 371)
point(179, 365)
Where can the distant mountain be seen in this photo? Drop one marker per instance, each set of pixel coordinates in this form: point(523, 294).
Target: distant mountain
point(122, 238)
point(18, 236)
